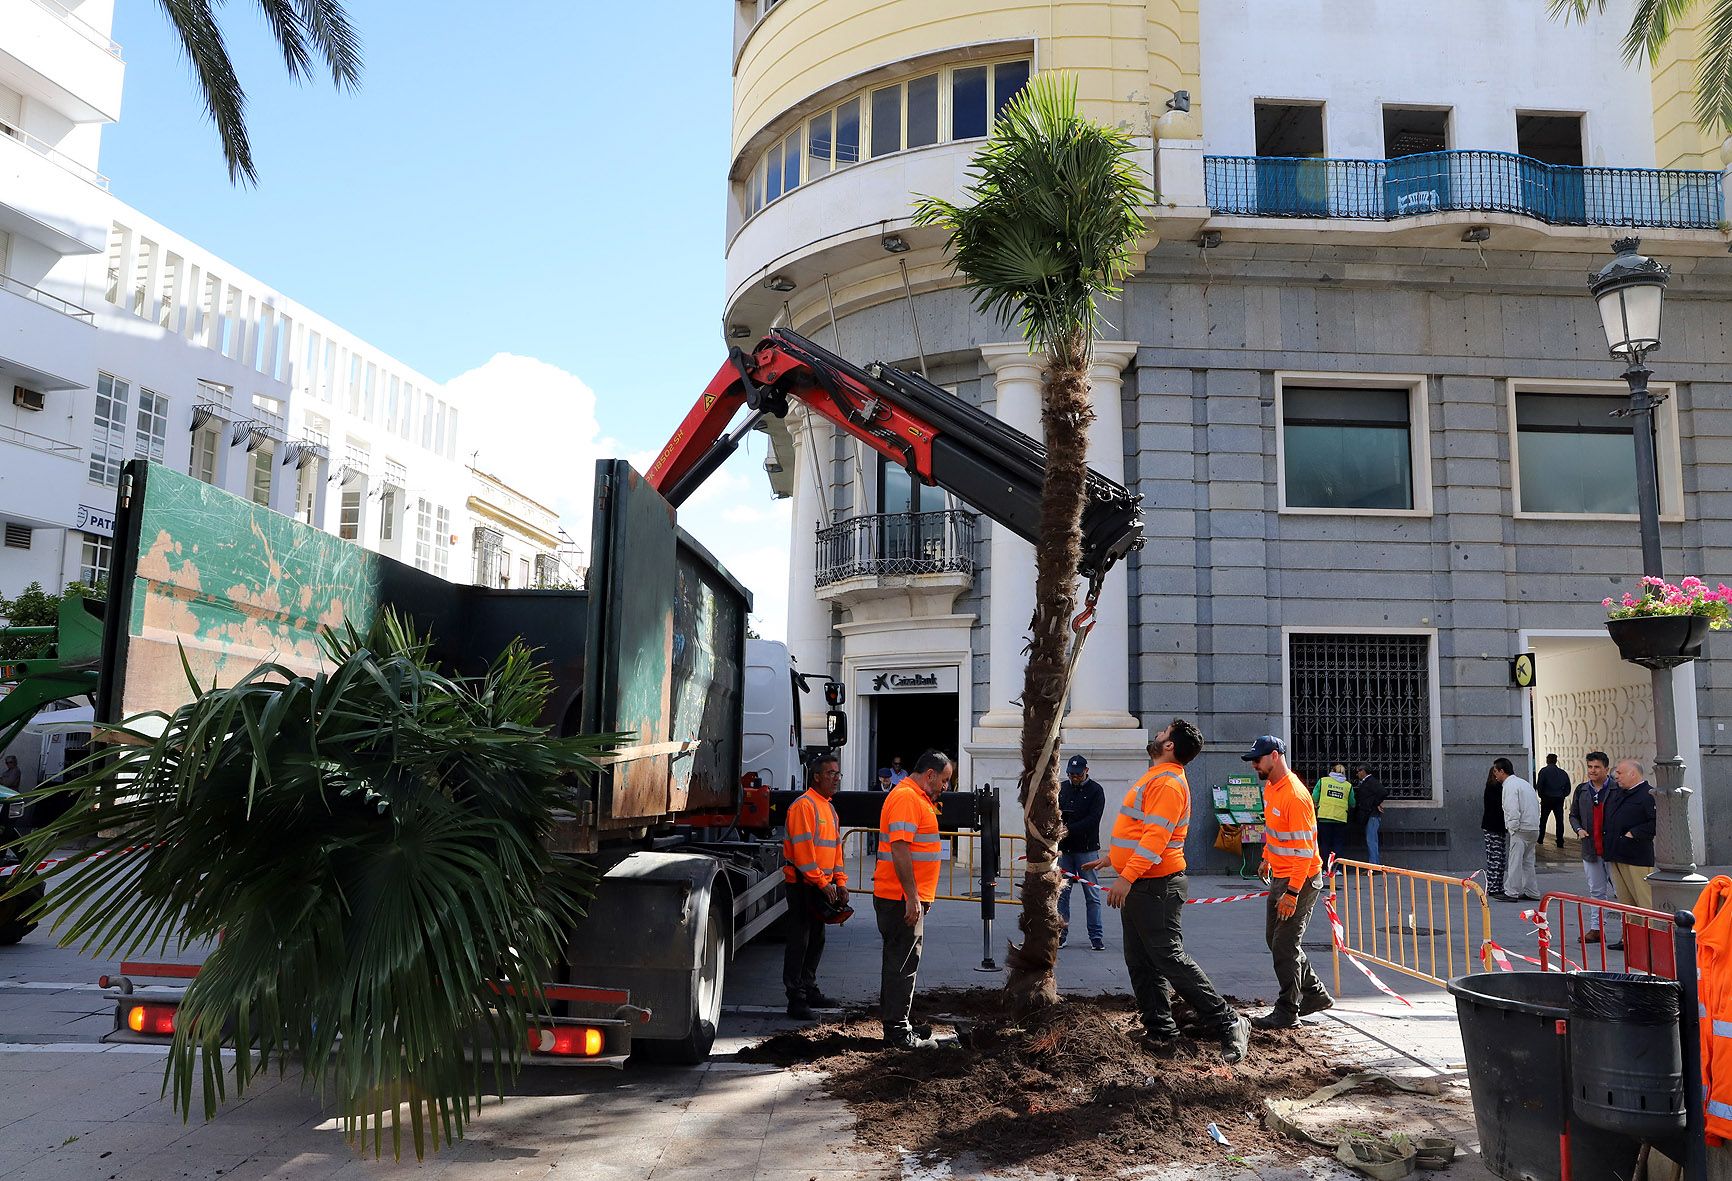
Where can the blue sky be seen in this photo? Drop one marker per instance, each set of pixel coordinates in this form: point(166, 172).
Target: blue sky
point(540, 178)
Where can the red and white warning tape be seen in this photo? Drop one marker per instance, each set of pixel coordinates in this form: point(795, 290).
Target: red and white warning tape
point(1188, 902)
point(45, 866)
point(1500, 957)
point(1339, 933)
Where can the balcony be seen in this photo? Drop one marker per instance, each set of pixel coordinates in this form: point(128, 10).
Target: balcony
point(55, 55)
point(45, 342)
point(1462, 182)
point(918, 562)
point(48, 197)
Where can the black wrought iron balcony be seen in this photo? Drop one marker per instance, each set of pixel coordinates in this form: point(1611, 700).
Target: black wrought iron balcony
point(893, 544)
point(1472, 182)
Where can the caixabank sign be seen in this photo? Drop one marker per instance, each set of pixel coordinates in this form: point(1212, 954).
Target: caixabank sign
point(870, 682)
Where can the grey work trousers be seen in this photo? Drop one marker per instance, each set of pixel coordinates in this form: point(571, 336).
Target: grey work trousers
point(1292, 970)
point(902, 945)
point(1156, 957)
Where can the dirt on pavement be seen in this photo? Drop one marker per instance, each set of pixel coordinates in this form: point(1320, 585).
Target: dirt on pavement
point(1071, 1089)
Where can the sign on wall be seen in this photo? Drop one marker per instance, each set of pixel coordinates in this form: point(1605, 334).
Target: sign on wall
point(881, 681)
point(1522, 671)
point(96, 520)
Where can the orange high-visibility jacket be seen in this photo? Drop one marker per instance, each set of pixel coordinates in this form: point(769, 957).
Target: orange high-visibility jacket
point(1714, 997)
point(812, 844)
point(1290, 831)
point(1149, 831)
point(908, 816)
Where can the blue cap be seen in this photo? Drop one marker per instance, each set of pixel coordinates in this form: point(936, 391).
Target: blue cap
point(1076, 766)
point(1266, 745)
point(884, 772)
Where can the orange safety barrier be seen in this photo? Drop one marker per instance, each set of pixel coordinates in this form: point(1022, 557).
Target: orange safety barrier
point(1411, 922)
point(1647, 936)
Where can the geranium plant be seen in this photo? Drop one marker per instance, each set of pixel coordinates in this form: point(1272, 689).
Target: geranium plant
point(1689, 597)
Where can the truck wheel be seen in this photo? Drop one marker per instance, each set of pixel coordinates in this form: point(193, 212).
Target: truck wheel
point(13, 928)
point(694, 1048)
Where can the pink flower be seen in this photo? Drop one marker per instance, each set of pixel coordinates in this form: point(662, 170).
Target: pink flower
point(1650, 580)
point(1690, 581)
point(1606, 602)
point(1629, 599)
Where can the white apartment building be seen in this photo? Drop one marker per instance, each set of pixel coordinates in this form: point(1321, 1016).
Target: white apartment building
point(121, 338)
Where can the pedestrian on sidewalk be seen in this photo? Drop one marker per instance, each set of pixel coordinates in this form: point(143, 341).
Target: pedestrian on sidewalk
point(1294, 871)
point(1148, 852)
point(1630, 824)
point(1080, 803)
point(1521, 816)
point(1553, 784)
point(1332, 797)
point(1491, 823)
point(903, 887)
point(1588, 818)
point(817, 884)
point(1368, 797)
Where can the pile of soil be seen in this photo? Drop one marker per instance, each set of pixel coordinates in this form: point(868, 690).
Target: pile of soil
point(1071, 1089)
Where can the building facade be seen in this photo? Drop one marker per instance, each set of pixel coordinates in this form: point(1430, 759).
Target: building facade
point(517, 542)
point(1357, 380)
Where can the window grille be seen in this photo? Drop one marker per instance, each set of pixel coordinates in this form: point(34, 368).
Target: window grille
point(546, 569)
point(1363, 699)
point(487, 549)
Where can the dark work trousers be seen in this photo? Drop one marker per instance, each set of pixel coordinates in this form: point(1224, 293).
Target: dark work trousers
point(1331, 839)
point(805, 942)
point(902, 945)
point(1155, 954)
point(1284, 936)
point(1552, 806)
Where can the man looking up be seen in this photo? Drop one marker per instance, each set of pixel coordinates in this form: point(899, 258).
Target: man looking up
point(1148, 853)
point(903, 887)
point(1294, 871)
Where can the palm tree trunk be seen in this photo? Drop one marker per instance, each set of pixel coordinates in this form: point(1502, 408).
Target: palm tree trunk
point(1065, 418)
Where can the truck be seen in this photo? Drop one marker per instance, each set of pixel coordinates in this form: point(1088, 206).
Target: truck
point(682, 823)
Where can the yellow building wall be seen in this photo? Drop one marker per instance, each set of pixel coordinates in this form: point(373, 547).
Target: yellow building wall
point(1678, 141)
point(1128, 55)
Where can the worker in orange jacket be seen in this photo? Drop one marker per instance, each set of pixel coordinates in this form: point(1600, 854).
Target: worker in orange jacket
point(904, 884)
point(1294, 871)
point(1714, 996)
point(817, 883)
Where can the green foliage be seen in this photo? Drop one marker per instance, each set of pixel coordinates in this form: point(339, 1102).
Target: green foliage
point(1653, 24)
point(35, 607)
point(368, 844)
point(1051, 219)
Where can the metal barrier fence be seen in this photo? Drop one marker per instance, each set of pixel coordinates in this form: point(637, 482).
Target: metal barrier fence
point(960, 878)
point(1647, 936)
point(1409, 921)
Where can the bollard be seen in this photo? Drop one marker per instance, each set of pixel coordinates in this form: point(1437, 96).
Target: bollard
point(986, 823)
point(1689, 1034)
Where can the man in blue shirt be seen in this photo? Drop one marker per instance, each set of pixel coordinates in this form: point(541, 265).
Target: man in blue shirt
point(1080, 803)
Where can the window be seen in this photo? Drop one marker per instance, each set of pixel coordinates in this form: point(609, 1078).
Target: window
point(387, 515)
point(108, 443)
point(259, 485)
point(488, 565)
point(439, 431)
point(307, 491)
point(1289, 129)
point(96, 559)
point(1363, 698)
point(522, 571)
point(906, 528)
point(152, 426)
point(392, 399)
point(441, 542)
point(1408, 131)
point(432, 534)
point(1573, 457)
point(206, 447)
point(349, 519)
point(952, 104)
point(423, 534)
point(1550, 139)
point(1349, 448)
point(451, 435)
point(427, 421)
point(367, 395)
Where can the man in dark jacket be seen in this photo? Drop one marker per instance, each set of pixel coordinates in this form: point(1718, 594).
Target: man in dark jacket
point(1629, 827)
point(1587, 817)
point(1080, 803)
point(1368, 796)
point(1553, 784)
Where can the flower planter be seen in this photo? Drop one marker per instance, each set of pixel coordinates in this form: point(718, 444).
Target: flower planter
point(1659, 641)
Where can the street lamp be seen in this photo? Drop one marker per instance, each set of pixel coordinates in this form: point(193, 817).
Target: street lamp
point(1630, 290)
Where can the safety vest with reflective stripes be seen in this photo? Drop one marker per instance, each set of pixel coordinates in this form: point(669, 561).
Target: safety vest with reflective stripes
point(1149, 832)
point(1714, 992)
point(812, 842)
point(908, 817)
point(1334, 799)
point(1290, 831)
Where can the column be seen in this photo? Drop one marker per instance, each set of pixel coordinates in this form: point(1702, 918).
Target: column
point(1100, 694)
point(1017, 379)
point(809, 627)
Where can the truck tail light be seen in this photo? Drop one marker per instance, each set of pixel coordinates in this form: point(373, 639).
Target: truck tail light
point(153, 1019)
point(566, 1041)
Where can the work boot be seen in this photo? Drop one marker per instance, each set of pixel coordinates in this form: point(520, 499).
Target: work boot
point(1275, 1019)
point(907, 1039)
point(817, 1000)
point(1315, 1004)
point(1236, 1041)
point(800, 1010)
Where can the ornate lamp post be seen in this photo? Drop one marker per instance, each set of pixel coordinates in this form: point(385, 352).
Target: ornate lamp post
point(1629, 291)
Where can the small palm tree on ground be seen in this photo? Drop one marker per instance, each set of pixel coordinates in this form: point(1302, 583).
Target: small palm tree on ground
point(1049, 228)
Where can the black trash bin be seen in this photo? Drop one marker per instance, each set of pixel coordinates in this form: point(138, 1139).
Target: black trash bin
point(1626, 1066)
point(1518, 1072)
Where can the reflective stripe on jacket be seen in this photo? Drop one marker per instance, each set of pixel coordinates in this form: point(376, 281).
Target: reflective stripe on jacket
point(812, 844)
point(1290, 831)
point(1714, 994)
point(1149, 832)
point(1334, 799)
point(908, 816)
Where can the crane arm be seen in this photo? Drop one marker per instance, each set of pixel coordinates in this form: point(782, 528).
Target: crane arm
point(938, 438)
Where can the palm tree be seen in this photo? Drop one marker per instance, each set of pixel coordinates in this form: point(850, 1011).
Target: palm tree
point(1053, 215)
point(303, 30)
point(366, 848)
point(1652, 26)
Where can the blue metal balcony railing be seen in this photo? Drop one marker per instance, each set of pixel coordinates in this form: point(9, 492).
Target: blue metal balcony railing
point(1476, 182)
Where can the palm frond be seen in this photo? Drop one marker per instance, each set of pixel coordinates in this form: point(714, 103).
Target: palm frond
point(1051, 216)
point(1652, 24)
point(370, 845)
